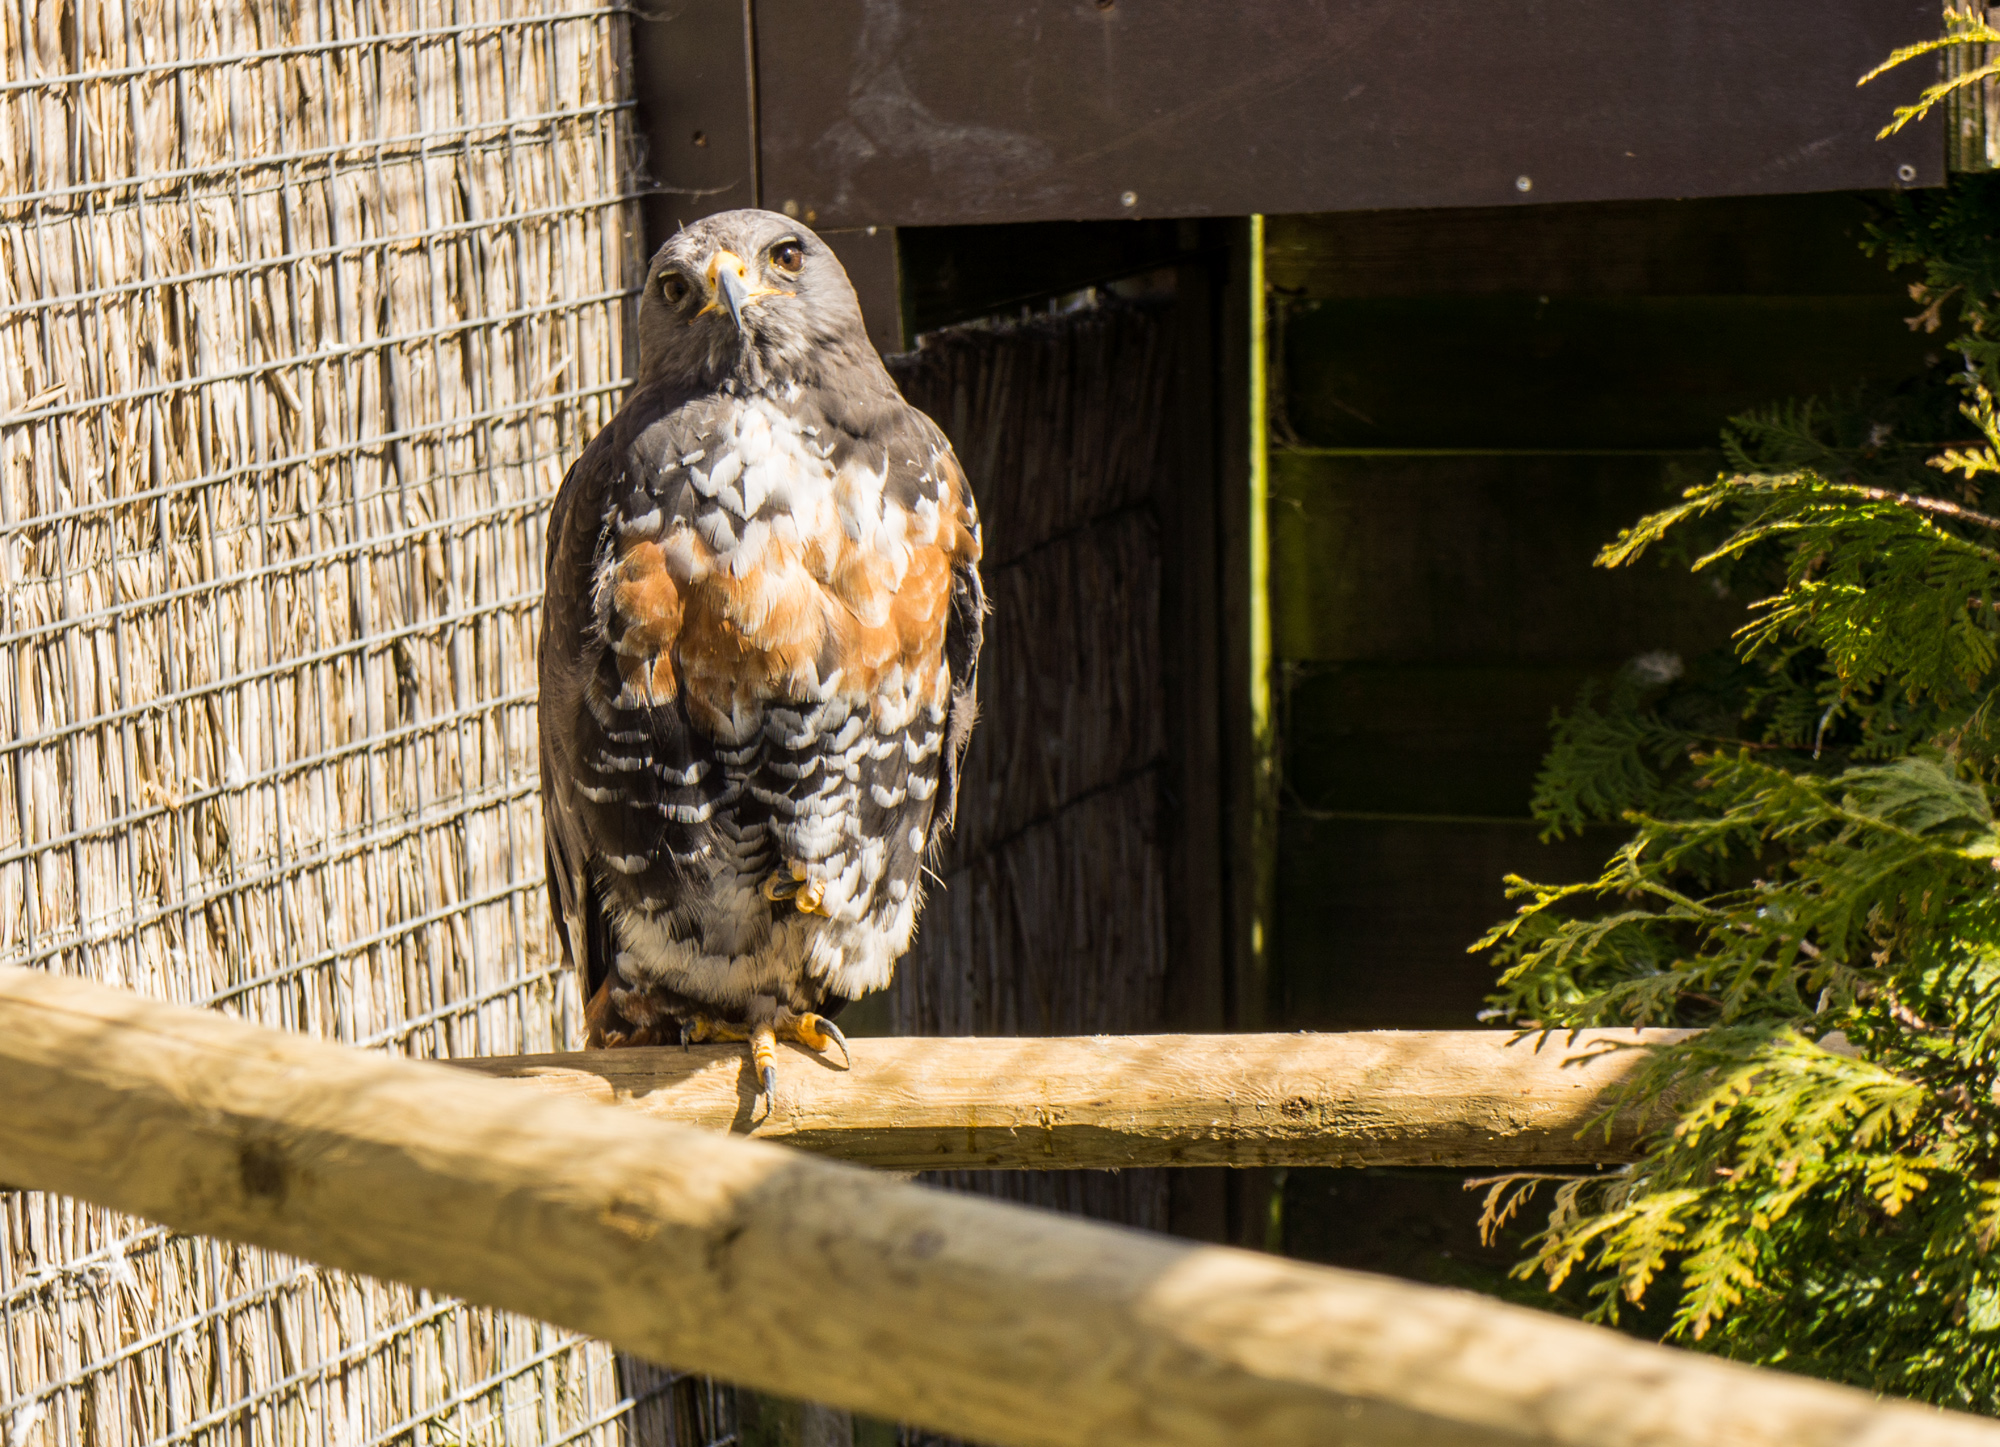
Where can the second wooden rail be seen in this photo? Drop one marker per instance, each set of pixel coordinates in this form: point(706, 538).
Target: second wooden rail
point(1439, 1097)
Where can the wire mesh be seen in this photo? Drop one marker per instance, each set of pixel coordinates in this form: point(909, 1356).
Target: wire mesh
point(302, 310)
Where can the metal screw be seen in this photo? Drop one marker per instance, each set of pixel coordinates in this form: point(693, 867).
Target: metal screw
point(1130, 198)
point(791, 208)
point(1906, 172)
point(1524, 183)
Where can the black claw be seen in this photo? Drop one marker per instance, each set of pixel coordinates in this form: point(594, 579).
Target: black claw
point(833, 1030)
point(771, 1083)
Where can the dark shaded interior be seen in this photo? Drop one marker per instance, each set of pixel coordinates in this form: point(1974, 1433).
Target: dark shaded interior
point(1465, 406)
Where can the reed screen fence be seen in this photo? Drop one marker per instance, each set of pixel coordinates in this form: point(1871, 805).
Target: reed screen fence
point(303, 309)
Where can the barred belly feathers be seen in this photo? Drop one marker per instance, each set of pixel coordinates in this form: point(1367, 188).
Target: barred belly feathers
point(758, 657)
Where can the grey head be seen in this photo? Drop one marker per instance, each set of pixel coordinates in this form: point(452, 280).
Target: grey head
point(755, 298)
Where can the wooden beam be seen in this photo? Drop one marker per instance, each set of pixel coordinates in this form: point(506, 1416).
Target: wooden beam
point(813, 1279)
point(1388, 1098)
point(1043, 111)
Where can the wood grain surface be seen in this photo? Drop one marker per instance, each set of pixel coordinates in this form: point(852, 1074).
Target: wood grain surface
point(818, 1280)
point(1425, 1097)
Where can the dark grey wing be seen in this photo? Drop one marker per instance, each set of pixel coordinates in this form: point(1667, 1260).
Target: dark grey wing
point(964, 636)
point(630, 788)
point(572, 903)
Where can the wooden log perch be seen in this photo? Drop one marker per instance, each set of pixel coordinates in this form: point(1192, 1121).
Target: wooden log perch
point(813, 1279)
point(1432, 1097)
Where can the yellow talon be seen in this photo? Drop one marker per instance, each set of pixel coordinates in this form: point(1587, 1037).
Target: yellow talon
point(816, 1033)
point(782, 886)
point(805, 895)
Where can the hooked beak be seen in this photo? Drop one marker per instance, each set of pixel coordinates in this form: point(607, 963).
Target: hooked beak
point(735, 295)
point(729, 287)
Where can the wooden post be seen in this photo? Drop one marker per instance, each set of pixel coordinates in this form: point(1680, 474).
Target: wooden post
point(1386, 1098)
point(816, 1280)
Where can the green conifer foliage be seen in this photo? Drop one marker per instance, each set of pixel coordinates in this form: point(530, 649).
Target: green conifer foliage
point(1813, 878)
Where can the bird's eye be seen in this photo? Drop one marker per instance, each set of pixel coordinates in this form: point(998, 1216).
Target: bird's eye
point(673, 287)
point(788, 256)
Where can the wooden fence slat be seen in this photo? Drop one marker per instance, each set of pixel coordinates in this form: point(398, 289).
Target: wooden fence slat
point(814, 1279)
point(1431, 1097)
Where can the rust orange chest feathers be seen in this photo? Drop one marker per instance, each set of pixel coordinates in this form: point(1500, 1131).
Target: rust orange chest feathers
point(758, 659)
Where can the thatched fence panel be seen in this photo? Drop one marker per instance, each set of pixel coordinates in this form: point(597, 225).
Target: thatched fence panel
point(1050, 915)
point(303, 310)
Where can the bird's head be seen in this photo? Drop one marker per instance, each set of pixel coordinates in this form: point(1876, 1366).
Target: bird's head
point(751, 295)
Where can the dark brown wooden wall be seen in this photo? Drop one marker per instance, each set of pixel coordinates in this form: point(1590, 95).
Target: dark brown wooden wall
point(886, 112)
point(1465, 406)
point(862, 116)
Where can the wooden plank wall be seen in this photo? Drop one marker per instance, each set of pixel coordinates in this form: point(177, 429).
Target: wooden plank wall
point(1465, 406)
point(881, 113)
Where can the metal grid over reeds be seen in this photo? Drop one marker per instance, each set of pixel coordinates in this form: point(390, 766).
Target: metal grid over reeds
point(303, 307)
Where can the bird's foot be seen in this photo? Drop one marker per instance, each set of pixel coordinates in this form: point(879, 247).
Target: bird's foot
point(817, 1033)
point(700, 1029)
point(764, 1060)
point(807, 895)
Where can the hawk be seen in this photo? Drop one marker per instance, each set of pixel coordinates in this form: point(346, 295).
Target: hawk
point(758, 657)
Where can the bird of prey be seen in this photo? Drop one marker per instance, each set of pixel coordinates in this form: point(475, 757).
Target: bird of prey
point(758, 657)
